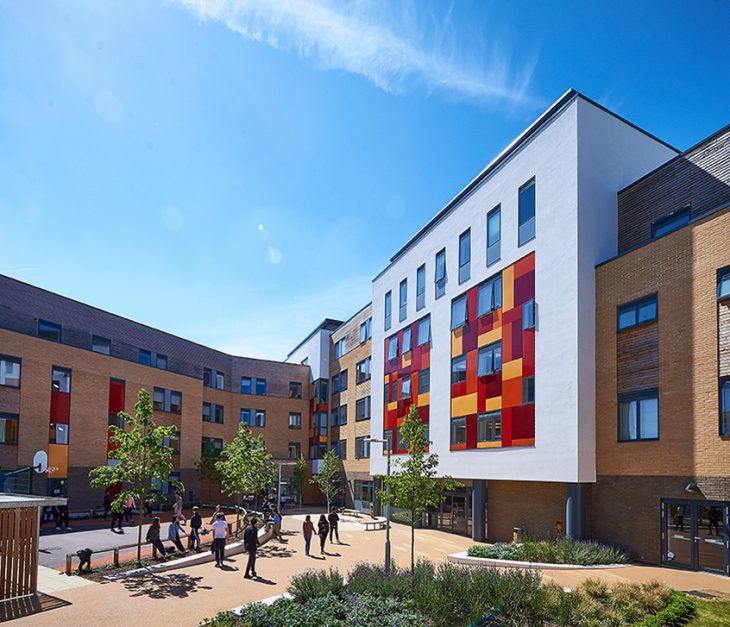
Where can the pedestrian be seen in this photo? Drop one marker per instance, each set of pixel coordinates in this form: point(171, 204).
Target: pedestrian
point(266, 508)
point(196, 522)
point(107, 504)
point(148, 501)
point(117, 518)
point(129, 506)
point(173, 534)
point(277, 524)
point(251, 544)
point(179, 506)
point(62, 516)
point(153, 536)
point(333, 520)
point(307, 530)
point(214, 517)
point(323, 529)
point(220, 533)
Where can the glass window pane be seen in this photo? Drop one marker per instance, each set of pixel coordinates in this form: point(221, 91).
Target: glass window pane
point(647, 312)
point(392, 347)
point(458, 312)
point(458, 369)
point(725, 407)
point(494, 220)
point(406, 340)
point(527, 213)
point(627, 420)
point(723, 284)
point(626, 319)
point(649, 414)
point(424, 331)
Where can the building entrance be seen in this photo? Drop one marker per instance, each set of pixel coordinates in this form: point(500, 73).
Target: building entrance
point(695, 534)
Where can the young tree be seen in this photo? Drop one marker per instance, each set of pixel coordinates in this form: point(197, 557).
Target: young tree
point(328, 476)
point(245, 467)
point(205, 466)
point(413, 485)
point(299, 478)
point(142, 455)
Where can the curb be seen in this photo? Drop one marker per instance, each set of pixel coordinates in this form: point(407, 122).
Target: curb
point(465, 559)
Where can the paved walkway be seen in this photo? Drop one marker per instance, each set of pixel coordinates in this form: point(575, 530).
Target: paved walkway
point(185, 597)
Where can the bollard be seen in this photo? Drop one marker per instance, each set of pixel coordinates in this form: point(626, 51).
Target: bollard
point(68, 564)
point(116, 556)
point(516, 535)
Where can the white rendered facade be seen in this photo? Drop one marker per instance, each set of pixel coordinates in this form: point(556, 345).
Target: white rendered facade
point(579, 155)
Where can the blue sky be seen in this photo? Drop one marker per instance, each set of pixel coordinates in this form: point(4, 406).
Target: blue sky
point(236, 171)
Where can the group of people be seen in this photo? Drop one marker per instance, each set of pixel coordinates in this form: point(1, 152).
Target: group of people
point(326, 525)
point(126, 514)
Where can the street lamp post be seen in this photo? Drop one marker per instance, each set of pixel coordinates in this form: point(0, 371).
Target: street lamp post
point(387, 508)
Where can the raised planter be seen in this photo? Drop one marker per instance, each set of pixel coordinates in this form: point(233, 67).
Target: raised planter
point(467, 560)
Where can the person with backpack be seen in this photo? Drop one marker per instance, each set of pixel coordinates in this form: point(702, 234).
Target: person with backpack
point(333, 520)
point(323, 529)
point(196, 522)
point(220, 533)
point(153, 536)
point(308, 531)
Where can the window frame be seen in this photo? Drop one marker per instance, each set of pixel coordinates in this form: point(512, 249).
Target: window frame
point(674, 219)
point(147, 355)
point(297, 424)
point(250, 385)
point(424, 374)
point(634, 306)
point(723, 275)
point(456, 324)
point(293, 386)
point(5, 415)
point(490, 348)
point(453, 361)
point(421, 287)
point(492, 428)
point(406, 347)
point(525, 390)
point(260, 380)
point(440, 282)
point(495, 303)
point(105, 341)
point(462, 420)
point(393, 341)
point(403, 381)
point(15, 360)
point(465, 259)
point(297, 446)
point(366, 330)
point(427, 321)
point(403, 300)
point(366, 402)
point(528, 322)
point(51, 327)
point(359, 370)
point(724, 381)
point(524, 187)
point(388, 310)
point(496, 211)
point(638, 396)
point(256, 414)
point(68, 372)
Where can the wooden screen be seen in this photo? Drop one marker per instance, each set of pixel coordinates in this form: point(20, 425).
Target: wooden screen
point(18, 552)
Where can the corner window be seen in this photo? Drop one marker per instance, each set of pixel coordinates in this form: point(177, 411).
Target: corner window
point(489, 427)
point(403, 302)
point(424, 331)
point(528, 390)
point(366, 330)
point(362, 408)
point(489, 359)
point(637, 312)
point(458, 369)
point(101, 345)
point(60, 380)
point(392, 347)
point(49, 330)
point(295, 420)
point(246, 386)
point(725, 406)
point(261, 387)
point(440, 273)
point(465, 256)
point(406, 340)
point(8, 428)
point(459, 312)
point(494, 235)
point(723, 283)
point(672, 222)
point(528, 314)
point(388, 309)
point(10, 371)
point(526, 212)
point(458, 430)
point(424, 381)
point(638, 416)
point(295, 389)
point(362, 370)
point(421, 287)
point(489, 295)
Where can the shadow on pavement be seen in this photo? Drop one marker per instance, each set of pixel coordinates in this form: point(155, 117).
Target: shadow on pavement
point(272, 550)
point(27, 606)
point(268, 582)
point(163, 586)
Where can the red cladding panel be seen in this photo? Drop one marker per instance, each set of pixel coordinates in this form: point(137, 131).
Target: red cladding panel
point(523, 422)
point(116, 396)
point(507, 426)
point(60, 407)
point(471, 431)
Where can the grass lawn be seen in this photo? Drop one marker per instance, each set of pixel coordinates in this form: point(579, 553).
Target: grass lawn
point(711, 614)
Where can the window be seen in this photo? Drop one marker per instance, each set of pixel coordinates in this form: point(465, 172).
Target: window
point(335, 416)
point(145, 357)
point(386, 393)
point(637, 312)
point(638, 416)
point(101, 345)
point(672, 222)
point(723, 283)
point(403, 301)
point(458, 430)
point(494, 235)
point(405, 387)
point(366, 330)
point(172, 442)
point(58, 433)
point(392, 347)
point(424, 331)
point(340, 448)
point(526, 213)
point(214, 379)
point(440, 273)
point(424, 381)
point(388, 307)
point(259, 418)
point(176, 402)
point(161, 362)
point(246, 387)
point(295, 420)
point(489, 427)
point(207, 377)
point(528, 314)
point(116, 420)
point(10, 371)
point(459, 313)
point(489, 359)
point(400, 442)
point(489, 296)
point(261, 387)
point(49, 330)
point(295, 389)
point(362, 447)
point(340, 348)
point(362, 370)
point(363, 490)
point(294, 450)
point(213, 413)
point(725, 406)
point(528, 390)
point(211, 446)
point(406, 340)
point(388, 444)
point(167, 400)
point(465, 256)
point(8, 428)
point(158, 399)
point(219, 380)
point(60, 380)
point(339, 416)
point(362, 408)
point(421, 287)
point(458, 369)
point(246, 417)
point(343, 380)
point(335, 385)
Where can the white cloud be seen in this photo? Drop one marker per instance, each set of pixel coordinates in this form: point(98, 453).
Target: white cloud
point(273, 254)
point(388, 47)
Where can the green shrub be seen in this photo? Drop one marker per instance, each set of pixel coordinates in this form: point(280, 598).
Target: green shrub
point(316, 583)
point(221, 619)
point(558, 551)
point(679, 608)
point(371, 579)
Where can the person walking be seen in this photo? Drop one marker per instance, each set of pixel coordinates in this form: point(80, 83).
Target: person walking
point(62, 516)
point(148, 501)
point(179, 506)
point(107, 504)
point(173, 534)
point(214, 517)
point(308, 531)
point(323, 529)
point(277, 524)
point(334, 519)
point(251, 544)
point(220, 533)
point(129, 506)
point(196, 522)
point(117, 518)
point(153, 536)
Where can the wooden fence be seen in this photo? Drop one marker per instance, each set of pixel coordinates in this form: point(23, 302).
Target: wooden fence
point(18, 552)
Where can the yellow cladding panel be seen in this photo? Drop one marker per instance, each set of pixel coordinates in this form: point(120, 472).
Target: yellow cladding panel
point(508, 294)
point(493, 404)
point(512, 369)
point(392, 406)
point(490, 336)
point(406, 360)
point(58, 461)
point(464, 405)
point(424, 399)
point(489, 445)
point(457, 342)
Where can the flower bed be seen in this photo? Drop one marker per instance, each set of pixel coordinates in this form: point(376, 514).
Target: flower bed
point(560, 551)
point(449, 596)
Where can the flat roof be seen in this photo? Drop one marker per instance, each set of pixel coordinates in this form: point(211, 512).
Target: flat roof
point(330, 324)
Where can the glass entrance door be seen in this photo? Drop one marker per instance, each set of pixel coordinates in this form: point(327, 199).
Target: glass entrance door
point(455, 512)
point(711, 539)
point(678, 536)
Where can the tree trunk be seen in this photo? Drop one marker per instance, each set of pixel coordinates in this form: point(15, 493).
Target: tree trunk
point(139, 535)
point(413, 541)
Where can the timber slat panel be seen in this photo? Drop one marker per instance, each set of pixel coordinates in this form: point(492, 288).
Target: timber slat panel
point(18, 555)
